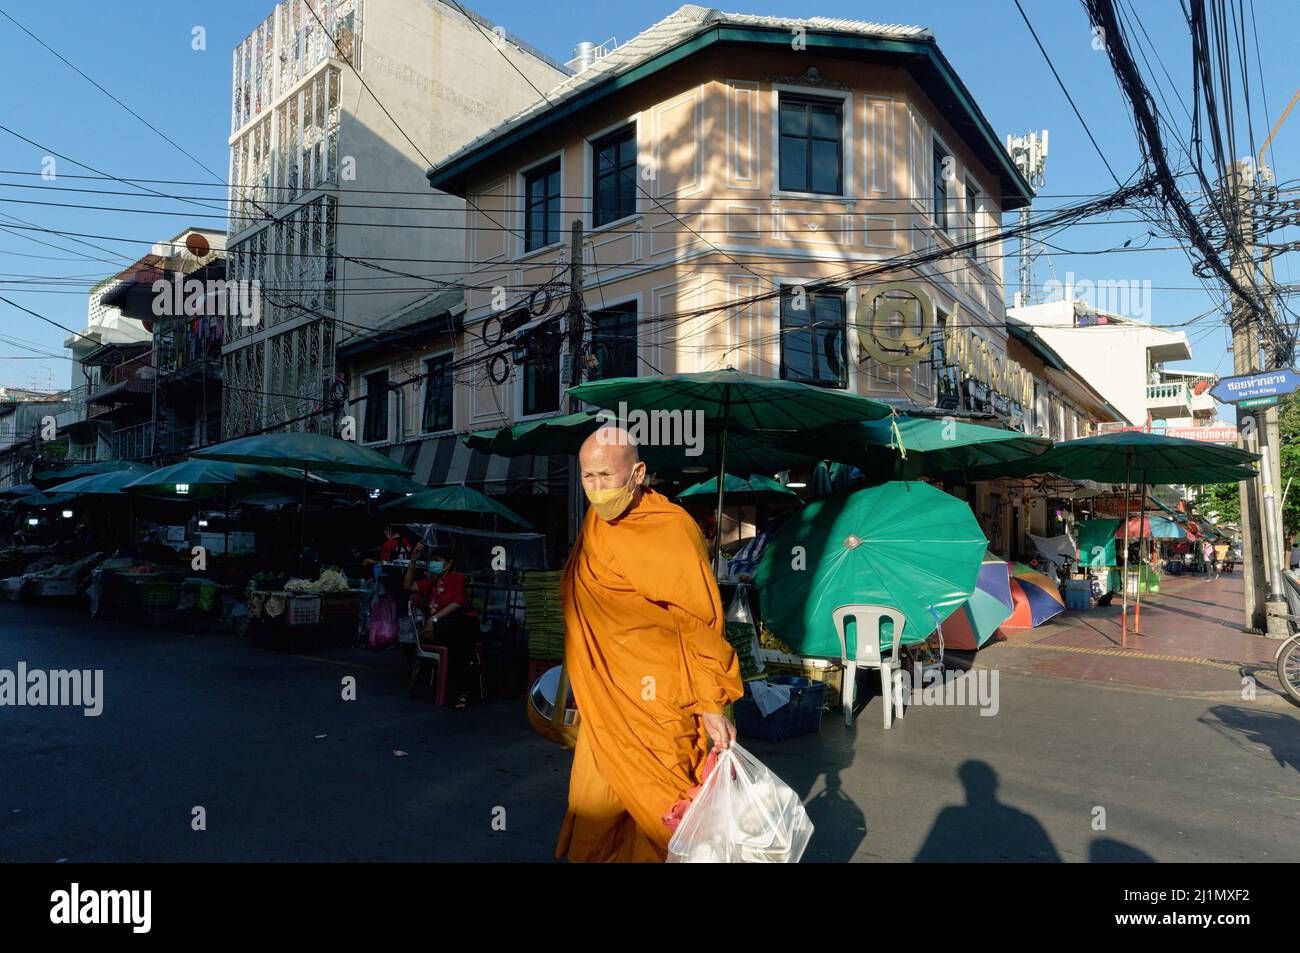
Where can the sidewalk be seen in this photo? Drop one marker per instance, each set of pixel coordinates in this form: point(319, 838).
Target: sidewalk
point(1191, 642)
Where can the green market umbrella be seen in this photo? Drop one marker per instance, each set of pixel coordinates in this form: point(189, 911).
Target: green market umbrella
point(384, 482)
point(307, 452)
point(1155, 458)
point(208, 479)
point(747, 451)
point(907, 448)
point(454, 499)
point(313, 452)
point(828, 478)
point(64, 474)
point(909, 546)
point(742, 490)
point(96, 484)
point(729, 399)
point(1116, 457)
point(551, 435)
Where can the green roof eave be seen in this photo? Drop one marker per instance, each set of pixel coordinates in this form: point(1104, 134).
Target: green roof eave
point(1016, 192)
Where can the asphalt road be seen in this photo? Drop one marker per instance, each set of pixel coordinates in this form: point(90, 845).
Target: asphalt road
point(286, 769)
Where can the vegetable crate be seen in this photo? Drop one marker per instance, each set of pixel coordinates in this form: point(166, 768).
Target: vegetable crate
point(303, 610)
point(802, 715)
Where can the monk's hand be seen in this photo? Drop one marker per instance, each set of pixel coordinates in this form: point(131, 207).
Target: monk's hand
point(721, 731)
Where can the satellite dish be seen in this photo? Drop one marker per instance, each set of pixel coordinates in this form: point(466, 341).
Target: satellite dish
point(197, 245)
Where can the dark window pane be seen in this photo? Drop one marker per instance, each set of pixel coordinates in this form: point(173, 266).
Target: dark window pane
point(376, 406)
point(825, 166)
point(794, 119)
point(794, 164)
point(613, 342)
point(438, 393)
point(813, 340)
point(542, 223)
point(826, 122)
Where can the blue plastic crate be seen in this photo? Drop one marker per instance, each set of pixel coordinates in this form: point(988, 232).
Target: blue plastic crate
point(801, 716)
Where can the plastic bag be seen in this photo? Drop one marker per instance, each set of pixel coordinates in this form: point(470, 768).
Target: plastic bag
point(743, 814)
point(743, 635)
point(383, 623)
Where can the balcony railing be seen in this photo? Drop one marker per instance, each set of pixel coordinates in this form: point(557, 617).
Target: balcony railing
point(1169, 400)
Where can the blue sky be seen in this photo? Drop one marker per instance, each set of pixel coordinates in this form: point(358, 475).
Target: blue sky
point(143, 54)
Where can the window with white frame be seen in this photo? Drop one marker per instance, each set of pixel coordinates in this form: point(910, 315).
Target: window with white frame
point(542, 206)
point(811, 145)
point(613, 169)
point(813, 331)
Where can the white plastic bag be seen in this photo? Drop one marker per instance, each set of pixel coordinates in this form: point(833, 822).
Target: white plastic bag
point(744, 814)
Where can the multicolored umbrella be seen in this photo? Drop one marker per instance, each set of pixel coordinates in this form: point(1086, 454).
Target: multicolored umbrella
point(1035, 598)
point(909, 546)
point(990, 605)
point(1152, 527)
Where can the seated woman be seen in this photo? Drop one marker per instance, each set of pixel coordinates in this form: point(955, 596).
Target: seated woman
point(443, 600)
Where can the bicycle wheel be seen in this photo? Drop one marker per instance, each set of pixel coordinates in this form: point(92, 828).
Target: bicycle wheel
point(1288, 668)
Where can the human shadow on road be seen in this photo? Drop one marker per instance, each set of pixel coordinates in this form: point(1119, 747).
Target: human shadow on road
point(1107, 850)
point(1277, 731)
point(985, 829)
point(839, 824)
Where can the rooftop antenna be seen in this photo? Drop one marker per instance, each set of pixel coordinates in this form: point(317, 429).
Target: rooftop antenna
point(1029, 153)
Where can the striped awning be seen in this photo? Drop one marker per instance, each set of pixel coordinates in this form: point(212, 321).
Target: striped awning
point(446, 461)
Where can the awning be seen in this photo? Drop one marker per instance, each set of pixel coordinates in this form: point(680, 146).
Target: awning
point(446, 461)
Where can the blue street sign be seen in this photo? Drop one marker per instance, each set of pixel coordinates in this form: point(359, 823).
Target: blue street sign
point(1232, 390)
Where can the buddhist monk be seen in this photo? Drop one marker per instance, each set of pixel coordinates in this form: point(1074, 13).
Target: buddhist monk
point(650, 668)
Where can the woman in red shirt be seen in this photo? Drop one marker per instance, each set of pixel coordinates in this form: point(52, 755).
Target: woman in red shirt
point(443, 600)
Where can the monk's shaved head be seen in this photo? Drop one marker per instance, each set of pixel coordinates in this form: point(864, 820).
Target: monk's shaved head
point(607, 458)
point(615, 439)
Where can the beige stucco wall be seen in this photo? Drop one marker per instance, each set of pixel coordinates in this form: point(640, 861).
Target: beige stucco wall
point(712, 229)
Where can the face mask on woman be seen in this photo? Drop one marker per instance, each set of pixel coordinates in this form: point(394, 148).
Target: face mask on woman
point(437, 566)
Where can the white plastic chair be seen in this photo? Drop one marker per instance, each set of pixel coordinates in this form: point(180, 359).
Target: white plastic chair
point(869, 654)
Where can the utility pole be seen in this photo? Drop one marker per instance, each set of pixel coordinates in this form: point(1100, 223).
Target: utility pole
point(1029, 153)
point(1271, 461)
point(575, 315)
point(1245, 360)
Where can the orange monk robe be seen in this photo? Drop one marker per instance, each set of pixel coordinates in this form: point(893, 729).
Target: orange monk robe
point(646, 654)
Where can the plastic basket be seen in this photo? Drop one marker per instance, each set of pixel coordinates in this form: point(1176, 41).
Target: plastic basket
point(303, 610)
point(801, 716)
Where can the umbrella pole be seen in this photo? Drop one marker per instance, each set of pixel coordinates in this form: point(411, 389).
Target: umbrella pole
point(1142, 509)
point(717, 533)
point(302, 522)
point(1123, 631)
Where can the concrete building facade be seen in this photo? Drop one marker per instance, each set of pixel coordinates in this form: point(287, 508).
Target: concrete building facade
point(337, 108)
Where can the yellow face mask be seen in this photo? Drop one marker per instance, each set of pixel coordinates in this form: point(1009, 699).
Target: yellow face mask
point(611, 504)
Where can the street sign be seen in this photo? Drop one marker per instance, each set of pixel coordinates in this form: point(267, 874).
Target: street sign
point(1258, 402)
point(1233, 390)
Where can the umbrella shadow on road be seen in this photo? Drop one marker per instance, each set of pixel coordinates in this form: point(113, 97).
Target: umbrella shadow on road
point(984, 828)
point(1251, 730)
